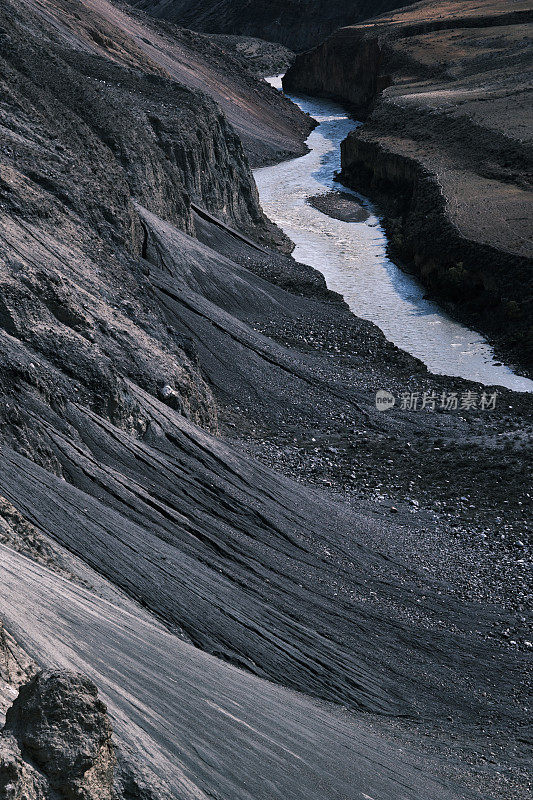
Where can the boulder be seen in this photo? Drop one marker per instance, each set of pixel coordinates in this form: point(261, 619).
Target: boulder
point(62, 728)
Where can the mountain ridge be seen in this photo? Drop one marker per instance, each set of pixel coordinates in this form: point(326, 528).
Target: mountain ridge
point(297, 24)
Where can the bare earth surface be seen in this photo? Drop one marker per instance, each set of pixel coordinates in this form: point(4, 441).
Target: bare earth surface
point(298, 24)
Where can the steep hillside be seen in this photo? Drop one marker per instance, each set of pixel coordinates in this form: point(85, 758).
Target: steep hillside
point(201, 508)
point(446, 148)
point(297, 24)
point(262, 57)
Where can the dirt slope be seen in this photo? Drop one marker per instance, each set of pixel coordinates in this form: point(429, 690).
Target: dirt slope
point(242, 623)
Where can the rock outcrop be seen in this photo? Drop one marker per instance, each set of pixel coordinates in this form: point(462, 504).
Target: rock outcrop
point(16, 668)
point(57, 744)
point(297, 24)
point(445, 149)
point(62, 729)
point(262, 58)
point(18, 779)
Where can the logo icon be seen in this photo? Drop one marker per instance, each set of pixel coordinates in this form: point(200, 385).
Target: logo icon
point(384, 400)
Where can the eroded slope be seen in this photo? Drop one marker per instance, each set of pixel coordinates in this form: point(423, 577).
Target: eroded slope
point(298, 24)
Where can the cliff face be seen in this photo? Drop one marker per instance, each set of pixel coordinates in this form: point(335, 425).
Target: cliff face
point(356, 63)
point(269, 127)
point(450, 168)
point(108, 125)
point(121, 101)
point(297, 24)
point(347, 67)
point(72, 205)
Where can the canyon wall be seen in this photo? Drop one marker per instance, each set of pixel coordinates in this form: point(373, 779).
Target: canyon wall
point(488, 285)
point(446, 149)
point(346, 67)
point(111, 126)
point(164, 378)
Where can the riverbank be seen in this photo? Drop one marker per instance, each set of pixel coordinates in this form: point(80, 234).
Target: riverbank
point(353, 254)
point(439, 491)
point(445, 150)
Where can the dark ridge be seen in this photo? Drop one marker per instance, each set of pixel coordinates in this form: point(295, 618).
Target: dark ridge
point(297, 24)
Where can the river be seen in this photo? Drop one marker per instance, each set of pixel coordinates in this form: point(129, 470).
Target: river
point(353, 257)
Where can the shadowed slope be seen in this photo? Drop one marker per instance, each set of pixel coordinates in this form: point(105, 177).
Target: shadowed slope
point(298, 24)
point(239, 560)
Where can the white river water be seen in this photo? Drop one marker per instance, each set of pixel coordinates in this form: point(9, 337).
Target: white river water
point(352, 256)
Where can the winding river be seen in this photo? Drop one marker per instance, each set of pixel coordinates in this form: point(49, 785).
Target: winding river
point(352, 256)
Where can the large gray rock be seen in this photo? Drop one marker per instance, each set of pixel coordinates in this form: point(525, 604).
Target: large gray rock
point(57, 745)
point(63, 729)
